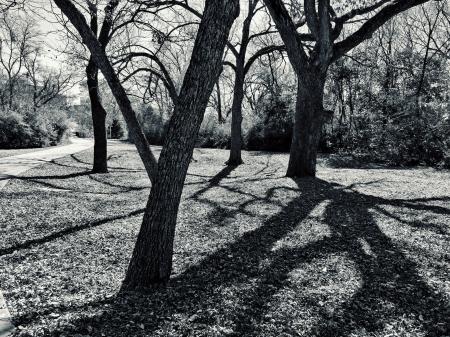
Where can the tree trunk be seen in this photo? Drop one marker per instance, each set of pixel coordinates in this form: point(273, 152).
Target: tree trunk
point(307, 126)
point(11, 93)
point(219, 104)
point(151, 263)
point(236, 117)
point(101, 60)
point(98, 120)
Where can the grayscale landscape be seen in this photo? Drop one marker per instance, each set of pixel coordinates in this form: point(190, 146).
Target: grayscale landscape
point(262, 168)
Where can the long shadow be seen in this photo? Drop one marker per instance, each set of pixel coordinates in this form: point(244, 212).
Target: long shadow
point(122, 187)
point(416, 224)
point(39, 180)
point(196, 289)
point(214, 181)
point(78, 160)
point(55, 177)
point(387, 274)
point(220, 213)
point(30, 316)
point(389, 277)
point(67, 231)
point(110, 157)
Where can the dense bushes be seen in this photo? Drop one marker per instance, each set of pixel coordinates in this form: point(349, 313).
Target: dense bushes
point(211, 134)
point(272, 131)
point(394, 111)
point(403, 141)
point(116, 129)
point(404, 136)
point(411, 142)
point(17, 132)
point(407, 144)
point(154, 126)
point(393, 131)
point(214, 134)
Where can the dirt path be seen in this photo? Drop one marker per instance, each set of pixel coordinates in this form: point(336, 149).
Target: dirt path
point(15, 165)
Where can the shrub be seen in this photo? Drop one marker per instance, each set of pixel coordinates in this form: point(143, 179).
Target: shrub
point(16, 132)
point(116, 129)
point(213, 134)
point(273, 131)
point(402, 141)
point(154, 126)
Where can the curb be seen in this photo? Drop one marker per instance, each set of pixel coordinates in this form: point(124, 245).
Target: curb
point(6, 327)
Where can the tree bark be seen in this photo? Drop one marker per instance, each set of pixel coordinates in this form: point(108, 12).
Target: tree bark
point(97, 110)
point(307, 126)
point(151, 263)
point(219, 104)
point(11, 92)
point(98, 121)
point(236, 116)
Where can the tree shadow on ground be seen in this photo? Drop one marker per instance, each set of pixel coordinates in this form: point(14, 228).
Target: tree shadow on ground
point(44, 181)
point(58, 177)
point(56, 181)
point(65, 186)
point(390, 286)
point(67, 231)
point(214, 181)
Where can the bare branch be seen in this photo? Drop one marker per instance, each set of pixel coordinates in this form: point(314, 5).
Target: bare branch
point(98, 54)
point(370, 26)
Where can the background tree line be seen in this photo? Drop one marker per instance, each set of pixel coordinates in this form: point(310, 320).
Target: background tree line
point(403, 66)
point(387, 100)
point(33, 109)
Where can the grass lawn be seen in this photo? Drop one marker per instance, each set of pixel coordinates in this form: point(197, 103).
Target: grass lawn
point(355, 252)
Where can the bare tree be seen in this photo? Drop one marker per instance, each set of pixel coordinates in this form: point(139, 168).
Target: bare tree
point(151, 263)
point(17, 39)
point(441, 38)
point(98, 111)
point(241, 65)
point(311, 54)
point(428, 19)
point(47, 84)
point(102, 61)
point(106, 23)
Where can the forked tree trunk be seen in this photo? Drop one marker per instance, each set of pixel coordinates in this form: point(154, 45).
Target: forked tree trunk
point(236, 116)
point(98, 121)
point(151, 263)
point(307, 126)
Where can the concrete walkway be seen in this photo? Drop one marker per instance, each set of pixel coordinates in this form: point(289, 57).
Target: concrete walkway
point(15, 165)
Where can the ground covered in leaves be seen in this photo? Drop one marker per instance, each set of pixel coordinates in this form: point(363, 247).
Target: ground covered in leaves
point(355, 252)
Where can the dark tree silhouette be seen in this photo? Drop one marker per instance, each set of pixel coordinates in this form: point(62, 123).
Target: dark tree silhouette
point(97, 110)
